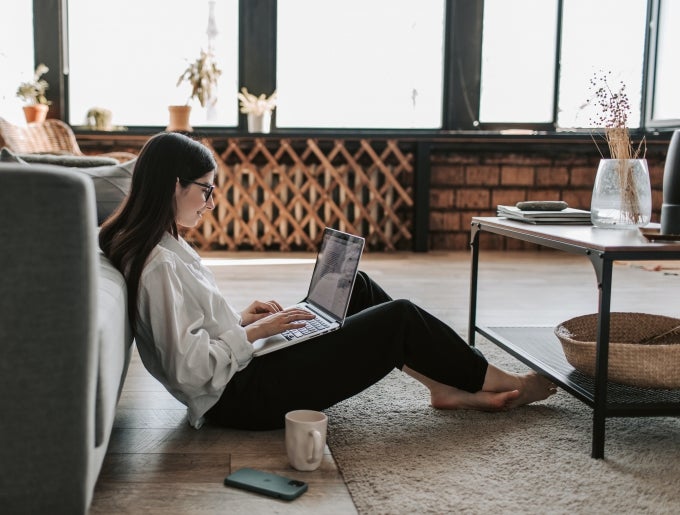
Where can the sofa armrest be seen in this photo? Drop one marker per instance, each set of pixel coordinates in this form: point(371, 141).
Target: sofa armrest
point(48, 350)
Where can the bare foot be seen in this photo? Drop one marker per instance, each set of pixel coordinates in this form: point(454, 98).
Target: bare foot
point(501, 391)
point(534, 387)
point(453, 398)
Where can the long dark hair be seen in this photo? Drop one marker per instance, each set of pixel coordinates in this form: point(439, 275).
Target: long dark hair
point(130, 234)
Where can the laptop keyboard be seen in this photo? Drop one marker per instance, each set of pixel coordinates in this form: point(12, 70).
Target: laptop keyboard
point(313, 326)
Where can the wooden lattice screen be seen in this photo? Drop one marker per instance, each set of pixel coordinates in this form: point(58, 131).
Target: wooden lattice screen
point(281, 193)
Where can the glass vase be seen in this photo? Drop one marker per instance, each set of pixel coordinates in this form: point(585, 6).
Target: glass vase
point(622, 195)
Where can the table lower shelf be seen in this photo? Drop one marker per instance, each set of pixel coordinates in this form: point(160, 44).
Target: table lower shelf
point(539, 348)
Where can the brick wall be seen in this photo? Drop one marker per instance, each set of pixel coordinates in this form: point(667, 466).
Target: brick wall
point(471, 176)
point(470, 184)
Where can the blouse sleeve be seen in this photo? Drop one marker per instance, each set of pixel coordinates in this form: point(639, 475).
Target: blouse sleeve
point(198, 340)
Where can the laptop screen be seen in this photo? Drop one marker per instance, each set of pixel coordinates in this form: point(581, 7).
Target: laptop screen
point(335, 271)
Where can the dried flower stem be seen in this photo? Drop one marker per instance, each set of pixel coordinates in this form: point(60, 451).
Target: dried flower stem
point(621, 149)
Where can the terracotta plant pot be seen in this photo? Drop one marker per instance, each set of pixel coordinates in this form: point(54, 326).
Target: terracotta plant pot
point(36, 113)
point(179, 119)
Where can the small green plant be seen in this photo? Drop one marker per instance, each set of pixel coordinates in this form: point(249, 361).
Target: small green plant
point(33, 92)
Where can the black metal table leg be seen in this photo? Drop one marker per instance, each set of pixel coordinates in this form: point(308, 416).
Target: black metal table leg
point(603, 270)
point(472, 321)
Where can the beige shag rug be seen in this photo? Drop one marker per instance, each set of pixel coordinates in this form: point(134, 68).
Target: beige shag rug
point(398, 455)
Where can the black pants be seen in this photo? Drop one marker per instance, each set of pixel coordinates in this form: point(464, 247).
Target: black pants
point(378, 335)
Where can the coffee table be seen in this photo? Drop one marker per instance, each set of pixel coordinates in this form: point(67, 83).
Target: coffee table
point(539, 348)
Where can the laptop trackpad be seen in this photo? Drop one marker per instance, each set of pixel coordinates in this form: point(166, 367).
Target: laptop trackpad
point(260, 344)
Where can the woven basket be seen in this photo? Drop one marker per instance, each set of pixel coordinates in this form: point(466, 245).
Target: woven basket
point(644, 350)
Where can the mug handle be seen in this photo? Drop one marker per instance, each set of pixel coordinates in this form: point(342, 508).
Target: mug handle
point(317, 446)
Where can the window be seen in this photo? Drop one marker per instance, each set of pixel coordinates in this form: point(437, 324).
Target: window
point(666, 104)
point(127, 55)
point(519, 58)
point(356, 64)
point(359, 64)
point(16, 57)
point(593, 42)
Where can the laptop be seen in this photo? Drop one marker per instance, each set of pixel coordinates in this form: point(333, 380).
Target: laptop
point(329, 291)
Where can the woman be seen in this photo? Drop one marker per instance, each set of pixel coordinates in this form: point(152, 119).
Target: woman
point(199, 347)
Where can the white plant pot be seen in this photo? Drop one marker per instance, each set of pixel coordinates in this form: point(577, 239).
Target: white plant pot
point(260, 122)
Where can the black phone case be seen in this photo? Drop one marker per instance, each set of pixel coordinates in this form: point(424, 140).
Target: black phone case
point(266, 483)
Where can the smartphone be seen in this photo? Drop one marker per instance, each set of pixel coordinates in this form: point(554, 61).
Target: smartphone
point(266, 483)
point(542, 205)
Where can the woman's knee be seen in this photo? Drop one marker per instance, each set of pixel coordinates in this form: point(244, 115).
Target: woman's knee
point(403, 308)
point(366, 293)
point(395, 319)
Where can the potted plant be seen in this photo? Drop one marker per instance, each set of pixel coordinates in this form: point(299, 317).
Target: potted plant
point(33, 93)
point(258, 108)
point(202, 75)
point(99, 118)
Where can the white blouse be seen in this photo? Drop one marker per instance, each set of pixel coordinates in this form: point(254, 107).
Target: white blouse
point(188, 336)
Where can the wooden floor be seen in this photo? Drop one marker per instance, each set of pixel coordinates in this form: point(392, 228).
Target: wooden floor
point(156, 463)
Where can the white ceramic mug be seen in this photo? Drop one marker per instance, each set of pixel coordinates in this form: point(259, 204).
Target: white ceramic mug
point(305, 438)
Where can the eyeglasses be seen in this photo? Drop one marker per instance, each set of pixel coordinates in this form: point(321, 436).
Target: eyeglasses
point(207, 192)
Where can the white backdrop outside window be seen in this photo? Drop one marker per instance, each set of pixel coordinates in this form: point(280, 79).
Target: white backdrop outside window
point(16, 57)
point(518, 58)
point(599, 37)
point(127, 56)
point(667, 82)
point(518, 61)
point(359, 63)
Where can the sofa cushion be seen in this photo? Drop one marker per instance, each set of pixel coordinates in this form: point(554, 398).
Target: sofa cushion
point(68, 160)
point(111, 182)
point(111, 185)
point(113, 329)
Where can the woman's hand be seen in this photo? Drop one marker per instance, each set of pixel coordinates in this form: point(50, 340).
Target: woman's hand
point(258, 310)
point(292, 318)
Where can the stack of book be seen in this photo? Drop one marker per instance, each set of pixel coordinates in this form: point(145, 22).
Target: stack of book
point(568, 215)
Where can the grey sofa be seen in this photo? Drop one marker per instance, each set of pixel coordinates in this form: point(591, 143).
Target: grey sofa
point(65, 341)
